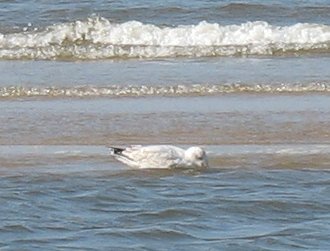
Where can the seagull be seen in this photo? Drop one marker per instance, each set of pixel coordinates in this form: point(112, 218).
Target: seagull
point(160, 156)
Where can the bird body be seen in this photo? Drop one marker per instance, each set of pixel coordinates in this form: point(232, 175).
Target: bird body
point(160, 156)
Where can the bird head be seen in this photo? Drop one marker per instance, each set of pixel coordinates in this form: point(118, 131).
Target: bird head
point(196, 156)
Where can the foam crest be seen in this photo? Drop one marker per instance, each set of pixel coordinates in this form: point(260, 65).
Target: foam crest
point(144, 90)
point(98, 38)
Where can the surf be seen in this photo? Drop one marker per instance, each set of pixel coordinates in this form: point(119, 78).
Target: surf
point(100, 38)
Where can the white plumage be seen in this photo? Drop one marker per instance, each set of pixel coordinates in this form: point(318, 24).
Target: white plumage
point(160, 156)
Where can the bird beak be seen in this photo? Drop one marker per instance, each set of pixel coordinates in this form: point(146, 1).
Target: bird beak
point(204, 163)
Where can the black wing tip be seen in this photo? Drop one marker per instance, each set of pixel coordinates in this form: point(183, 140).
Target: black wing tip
point(116, 150)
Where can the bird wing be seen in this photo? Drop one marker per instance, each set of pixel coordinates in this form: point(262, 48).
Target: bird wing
point(154, 156)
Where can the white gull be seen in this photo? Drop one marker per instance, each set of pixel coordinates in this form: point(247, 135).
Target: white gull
point(160, 156)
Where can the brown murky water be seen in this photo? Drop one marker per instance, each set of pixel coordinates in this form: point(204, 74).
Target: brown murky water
point(269, 151)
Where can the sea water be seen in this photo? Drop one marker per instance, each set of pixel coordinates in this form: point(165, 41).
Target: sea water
point(249, 81)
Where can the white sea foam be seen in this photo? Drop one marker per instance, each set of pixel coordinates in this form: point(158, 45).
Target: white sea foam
point(98, 38)
point(173, 90)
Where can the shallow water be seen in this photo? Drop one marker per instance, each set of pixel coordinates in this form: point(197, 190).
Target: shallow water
point(249, 82)
point(93, 207)
point(267, 186)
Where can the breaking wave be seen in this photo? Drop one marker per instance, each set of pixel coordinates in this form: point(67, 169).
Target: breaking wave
point(99, 38)
point(174, 90)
